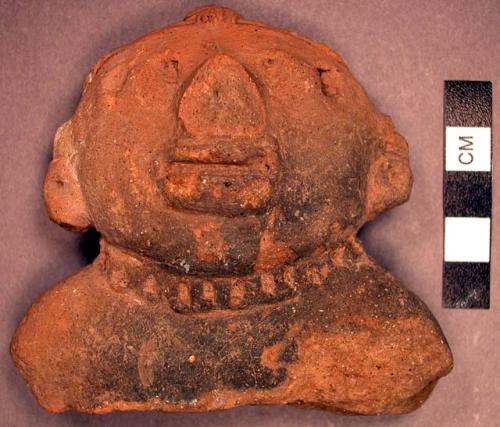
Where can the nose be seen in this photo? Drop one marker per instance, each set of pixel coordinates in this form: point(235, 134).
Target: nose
point(222, 100)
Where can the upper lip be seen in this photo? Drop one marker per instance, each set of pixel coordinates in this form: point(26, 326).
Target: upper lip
point(219, 152)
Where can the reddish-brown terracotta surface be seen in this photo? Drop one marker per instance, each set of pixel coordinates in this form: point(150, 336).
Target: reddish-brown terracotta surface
point(228, 167)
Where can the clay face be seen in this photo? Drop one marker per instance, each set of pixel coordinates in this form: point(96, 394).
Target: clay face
point(228, 167)
point(211, 166)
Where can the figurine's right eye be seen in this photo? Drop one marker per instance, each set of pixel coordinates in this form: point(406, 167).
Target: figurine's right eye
point(171, 70)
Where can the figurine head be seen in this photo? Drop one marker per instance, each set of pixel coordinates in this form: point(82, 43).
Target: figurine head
point(219, 146)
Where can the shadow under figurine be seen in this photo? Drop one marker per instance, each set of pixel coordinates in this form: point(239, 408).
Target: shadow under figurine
point(228, 167)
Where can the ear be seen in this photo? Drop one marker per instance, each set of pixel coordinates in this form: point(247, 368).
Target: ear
point(389, 178)
point(63, 196)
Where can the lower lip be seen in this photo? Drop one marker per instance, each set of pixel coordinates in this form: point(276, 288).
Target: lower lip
point(226, 190)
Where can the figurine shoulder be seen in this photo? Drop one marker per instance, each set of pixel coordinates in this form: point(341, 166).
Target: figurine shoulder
point(78, 284)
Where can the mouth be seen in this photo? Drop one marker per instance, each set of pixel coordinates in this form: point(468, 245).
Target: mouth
point(225, 177)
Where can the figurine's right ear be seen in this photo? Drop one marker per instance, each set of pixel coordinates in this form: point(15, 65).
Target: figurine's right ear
point(63, 195)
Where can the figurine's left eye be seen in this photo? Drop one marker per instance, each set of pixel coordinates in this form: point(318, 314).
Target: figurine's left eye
point(330, 80)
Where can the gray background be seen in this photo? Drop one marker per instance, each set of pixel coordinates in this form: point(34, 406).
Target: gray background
point(400, 51)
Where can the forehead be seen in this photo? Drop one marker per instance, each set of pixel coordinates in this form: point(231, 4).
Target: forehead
point(285, 66)
point(157, 86)
point(191, 44)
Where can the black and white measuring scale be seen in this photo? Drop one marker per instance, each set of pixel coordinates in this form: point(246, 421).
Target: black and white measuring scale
point(467, 193)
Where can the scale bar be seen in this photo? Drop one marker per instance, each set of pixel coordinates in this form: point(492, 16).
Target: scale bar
point(467, 194)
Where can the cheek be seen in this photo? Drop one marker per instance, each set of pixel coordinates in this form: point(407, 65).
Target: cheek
point(127, 210)
point(120, 193)
point(303, 214)
point(117, 170)
point(319, 193)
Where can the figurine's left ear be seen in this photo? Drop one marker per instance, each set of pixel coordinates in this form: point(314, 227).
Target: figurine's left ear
point(63, 195)
point(389, 178)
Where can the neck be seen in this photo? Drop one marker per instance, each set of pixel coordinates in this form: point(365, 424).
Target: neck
point(128, 272)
